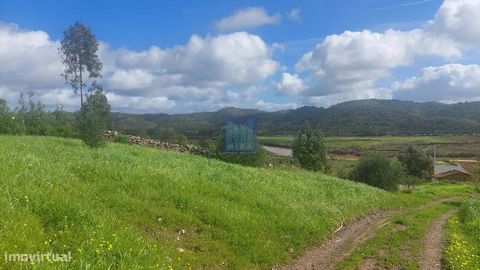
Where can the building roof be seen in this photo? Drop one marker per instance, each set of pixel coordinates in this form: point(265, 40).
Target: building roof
point(446, 168)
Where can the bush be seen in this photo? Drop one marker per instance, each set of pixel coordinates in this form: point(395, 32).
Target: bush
point(121, 139)
point(470, 211)
point(309, 149)
point(415, 162)
point(410, 181)
point(64, 131)
point(377, 170)
point(92, 117)
point(208, 145)
point(10, 123)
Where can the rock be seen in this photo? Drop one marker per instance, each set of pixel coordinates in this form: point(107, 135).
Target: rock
point(189, 148)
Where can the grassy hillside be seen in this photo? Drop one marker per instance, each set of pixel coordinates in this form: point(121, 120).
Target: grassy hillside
point(126, 207)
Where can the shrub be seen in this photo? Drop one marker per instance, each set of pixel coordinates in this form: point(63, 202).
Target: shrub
point(415, 162)
point(410, 181)
point(470, 211)
point(92, 117)
point(33, 115)
point(10, 123)
point(208, 145)
point(65, 131)
point(309, 149)
point(61, 123)
point(377, 170)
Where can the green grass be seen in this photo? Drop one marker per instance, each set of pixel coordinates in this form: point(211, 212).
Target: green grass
point(128, 207)
point(363, 142)
point(463, 248)
point(449, 146)
point(398, 244)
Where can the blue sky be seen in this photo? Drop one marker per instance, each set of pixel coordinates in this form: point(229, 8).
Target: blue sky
point(380, 49)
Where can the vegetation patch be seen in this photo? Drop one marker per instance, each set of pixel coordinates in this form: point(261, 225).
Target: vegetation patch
point(131, 207)
point(463, 249)
point(400, 238)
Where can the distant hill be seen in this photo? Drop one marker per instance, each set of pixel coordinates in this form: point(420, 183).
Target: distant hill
point(359, 118)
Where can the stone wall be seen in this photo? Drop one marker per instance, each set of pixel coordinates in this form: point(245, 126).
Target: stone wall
point(136, 140)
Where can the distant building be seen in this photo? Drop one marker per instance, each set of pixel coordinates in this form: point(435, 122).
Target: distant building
point(444, 171)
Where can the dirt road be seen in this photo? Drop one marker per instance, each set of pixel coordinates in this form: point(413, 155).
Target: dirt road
point(351, 235)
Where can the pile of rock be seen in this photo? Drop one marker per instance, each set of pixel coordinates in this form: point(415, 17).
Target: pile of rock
point(110, 134)
point(188, 148)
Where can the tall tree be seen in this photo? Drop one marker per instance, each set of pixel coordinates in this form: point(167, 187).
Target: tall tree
point(415, 162)
point(78, 51)
point(309, 149)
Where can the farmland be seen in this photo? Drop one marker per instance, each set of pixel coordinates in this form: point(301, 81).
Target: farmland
point(447, 146)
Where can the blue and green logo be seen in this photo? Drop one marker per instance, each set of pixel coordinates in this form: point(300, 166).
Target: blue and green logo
point(239, 136)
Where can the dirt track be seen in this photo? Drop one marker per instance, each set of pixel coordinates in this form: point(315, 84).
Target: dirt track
point(352, 235)
point(434, 243)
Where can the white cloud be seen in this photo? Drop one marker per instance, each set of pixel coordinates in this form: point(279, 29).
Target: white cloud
point(294, 14)
point(133, 79)
point(290, 84)
point(460, 20)
point(197, 74)
point(272, 106)
point(451, 82)
point(28, 59)
point(233, 69)
point(59, 96)
point(353, 61)
point(249, 17)
point(329, 100)
point(139, 104)
point(238, 57)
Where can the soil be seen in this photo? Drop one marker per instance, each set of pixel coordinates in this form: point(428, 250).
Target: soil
point(355, 233)
point(433, 244)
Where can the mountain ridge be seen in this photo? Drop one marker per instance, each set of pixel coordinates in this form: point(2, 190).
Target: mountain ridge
point(352, 118)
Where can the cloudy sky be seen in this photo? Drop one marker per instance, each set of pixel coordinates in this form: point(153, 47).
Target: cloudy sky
point(186, 56)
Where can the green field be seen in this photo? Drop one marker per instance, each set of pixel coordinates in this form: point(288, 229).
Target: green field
point(128, 207)
point(447, 146)
point(365, 142)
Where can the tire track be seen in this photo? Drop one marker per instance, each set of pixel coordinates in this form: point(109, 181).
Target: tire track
point(434, 243)
point(344, 241)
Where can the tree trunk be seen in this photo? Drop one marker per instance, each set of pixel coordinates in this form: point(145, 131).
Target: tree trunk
point(81, 88)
